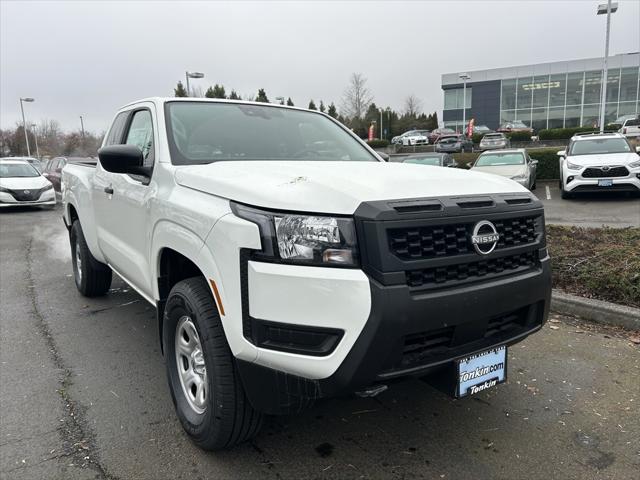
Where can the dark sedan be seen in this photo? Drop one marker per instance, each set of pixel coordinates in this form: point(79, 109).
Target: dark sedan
point(435, 159)
point(454, 144)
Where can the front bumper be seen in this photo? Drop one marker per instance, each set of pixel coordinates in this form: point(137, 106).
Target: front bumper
point(579, 184)
point(406, 333)
point(48, 197)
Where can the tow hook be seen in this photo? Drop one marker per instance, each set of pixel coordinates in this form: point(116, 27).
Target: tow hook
point(372, 391)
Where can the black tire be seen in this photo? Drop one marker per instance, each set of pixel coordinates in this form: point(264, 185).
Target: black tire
point(228, 417)
point(564, 194)
point(92, 277)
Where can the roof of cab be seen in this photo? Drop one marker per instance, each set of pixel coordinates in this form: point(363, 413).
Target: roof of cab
point(163, 100)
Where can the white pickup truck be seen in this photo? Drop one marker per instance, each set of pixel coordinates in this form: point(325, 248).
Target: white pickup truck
point(288, 262)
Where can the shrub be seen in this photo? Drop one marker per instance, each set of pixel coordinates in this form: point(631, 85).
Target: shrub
point(378, 143)
point(598, 263)
point(477, 137)
point(562, 133)
point(519, 136)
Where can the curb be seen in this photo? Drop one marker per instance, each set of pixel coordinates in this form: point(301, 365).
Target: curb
point(595, 310)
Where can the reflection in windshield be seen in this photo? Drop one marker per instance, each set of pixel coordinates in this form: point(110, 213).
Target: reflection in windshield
point(492, 160)
point(594, 146)
point(17, 170)
point(424, 161)
point(204, 132)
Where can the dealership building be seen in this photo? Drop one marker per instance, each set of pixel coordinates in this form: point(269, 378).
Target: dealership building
point(547, 95)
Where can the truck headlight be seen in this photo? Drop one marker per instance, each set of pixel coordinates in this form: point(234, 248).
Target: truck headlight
point(303, 239)
point(573, 166)
point(519, 178)
point(635, 164)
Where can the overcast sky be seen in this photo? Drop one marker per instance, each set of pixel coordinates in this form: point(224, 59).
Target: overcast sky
point(89, 58)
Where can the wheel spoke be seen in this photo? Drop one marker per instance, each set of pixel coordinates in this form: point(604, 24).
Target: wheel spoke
point(191, 365)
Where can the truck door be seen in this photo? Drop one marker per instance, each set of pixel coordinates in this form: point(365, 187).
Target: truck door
point(122, 206)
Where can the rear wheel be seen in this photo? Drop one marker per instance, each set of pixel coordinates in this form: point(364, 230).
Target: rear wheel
point(92, 277)
point(205, 386)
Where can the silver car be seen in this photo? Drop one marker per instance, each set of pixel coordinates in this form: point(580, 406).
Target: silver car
point(492, 141)
point(514, 164)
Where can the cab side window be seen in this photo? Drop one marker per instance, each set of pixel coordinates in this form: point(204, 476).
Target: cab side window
point(140, 134)
point(115, 133)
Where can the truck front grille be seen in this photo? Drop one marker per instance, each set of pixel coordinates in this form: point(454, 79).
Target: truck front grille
point(461, 272)
point(449, 240)
point(599, 172)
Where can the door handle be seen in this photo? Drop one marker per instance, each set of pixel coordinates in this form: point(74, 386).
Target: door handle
point(108, 190)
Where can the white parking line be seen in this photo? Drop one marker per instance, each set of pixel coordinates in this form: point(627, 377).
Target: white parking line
point(548, 192)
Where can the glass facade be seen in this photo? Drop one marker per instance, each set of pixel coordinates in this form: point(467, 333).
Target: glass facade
point(569, 100)
point(454, 98)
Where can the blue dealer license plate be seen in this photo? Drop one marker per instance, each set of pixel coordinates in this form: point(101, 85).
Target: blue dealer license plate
point(481, 371)
point(607, 182)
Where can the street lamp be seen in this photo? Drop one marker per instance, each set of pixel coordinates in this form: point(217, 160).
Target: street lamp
point(35, 136)
point(605, 8)
point(189, 75)
point(464, 77)
point(24, 123)
point(280, 100)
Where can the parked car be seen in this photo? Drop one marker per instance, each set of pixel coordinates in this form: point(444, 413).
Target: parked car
point(416, 137)
point(439, 132)
point(435, 159)
point(515, 126)
point(53, 168)
point(620, 120)
point(481, 130)
point(514, 164)
point(22, 184)
point(599, 162)
point(492, 141)
point(400, 139)
point(631, 127)
point(263, 307)
point(454, 144)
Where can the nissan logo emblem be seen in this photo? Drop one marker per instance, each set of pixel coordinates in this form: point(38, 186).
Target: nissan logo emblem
point(485, 237)
point(605, 168)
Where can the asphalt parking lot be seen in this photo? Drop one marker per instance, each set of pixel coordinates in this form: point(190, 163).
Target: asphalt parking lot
point(613, 209)
point(83, 395)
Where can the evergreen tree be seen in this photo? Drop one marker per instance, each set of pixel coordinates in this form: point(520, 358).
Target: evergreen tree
point(332, 111)
point(290, 102)
point(218, 91)
point(321, 108)
point(234, 96)
point(209, 93)
point(262, 96)
point(312, 106)
point(180, 91)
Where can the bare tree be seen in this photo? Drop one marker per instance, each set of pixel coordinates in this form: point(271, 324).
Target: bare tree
point(412, 106)
point(357, 97)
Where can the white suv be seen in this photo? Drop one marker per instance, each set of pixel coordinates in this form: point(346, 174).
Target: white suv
point(598, 162)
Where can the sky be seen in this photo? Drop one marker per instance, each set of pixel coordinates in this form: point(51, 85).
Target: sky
point(91, 57)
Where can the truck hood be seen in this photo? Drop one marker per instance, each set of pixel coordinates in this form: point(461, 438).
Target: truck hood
point(333, 187)
point(607, 159)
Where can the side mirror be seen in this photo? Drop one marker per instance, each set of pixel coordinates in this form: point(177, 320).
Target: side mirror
point(562, 153)
point(638, 149)
point(534, 161)
point(123, 159)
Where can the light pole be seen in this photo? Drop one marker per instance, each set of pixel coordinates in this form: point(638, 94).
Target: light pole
point(464, 77)
point(189, 75)
point(608, 9)
point(24, 123)
point(381, 124)
point(35, 136)
point(82, 126)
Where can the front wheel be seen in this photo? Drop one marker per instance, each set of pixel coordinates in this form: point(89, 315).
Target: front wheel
point(205, 386)
point(92, 277)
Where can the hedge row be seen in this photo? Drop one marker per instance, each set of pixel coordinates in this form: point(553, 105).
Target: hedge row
point(548, 163)
point(378, 143)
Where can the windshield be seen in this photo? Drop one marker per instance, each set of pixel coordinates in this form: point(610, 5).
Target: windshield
point(14, 170)
point(207, 132)
point(493, 136)
point(518, 124)
point(449, 140)
point(594, 146)
point(424, 161)
point(498, 159)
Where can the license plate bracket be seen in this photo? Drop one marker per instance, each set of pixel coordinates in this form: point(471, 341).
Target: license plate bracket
point(605, 182)
point(481, 371)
